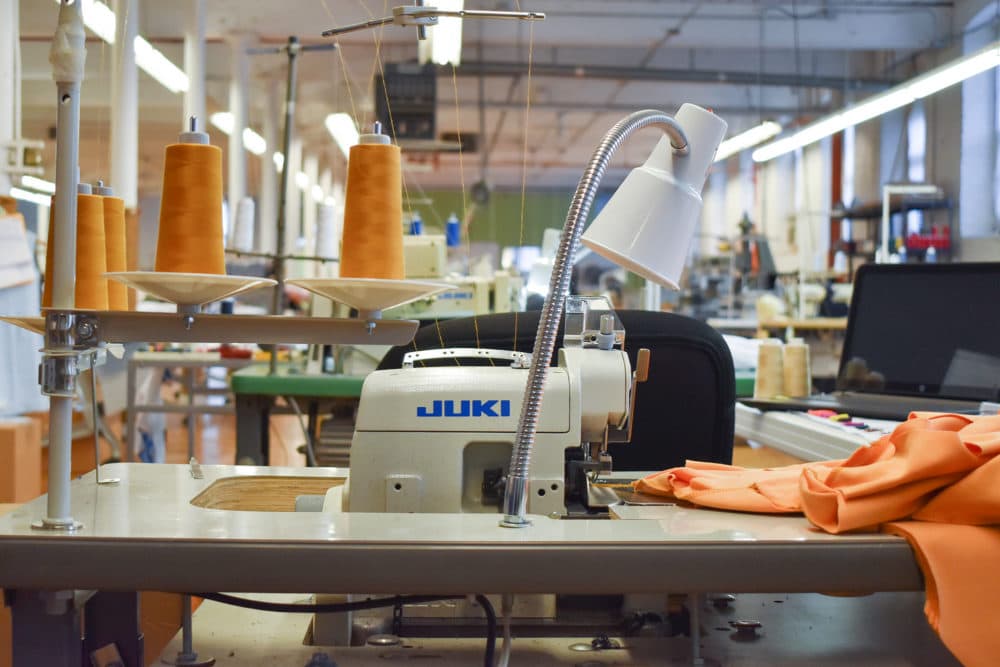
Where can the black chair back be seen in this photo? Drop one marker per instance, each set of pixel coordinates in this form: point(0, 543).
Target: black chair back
point(686, 410)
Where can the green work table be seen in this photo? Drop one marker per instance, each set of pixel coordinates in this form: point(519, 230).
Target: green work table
point(255, 389)
point(744, 383)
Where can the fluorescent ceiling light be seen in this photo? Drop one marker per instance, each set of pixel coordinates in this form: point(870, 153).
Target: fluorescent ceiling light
point(252, 141)
point(33, 197)
point(343, 130)
point(279, 160)
point(919, 87)
point(101, 20)
point(748, 139)
point(960, 70)
point(443, 45)
point(38, 184)
point(158, 66)
point(317, 194)
point(223, 120)
point(302, 180)
point(873, 107)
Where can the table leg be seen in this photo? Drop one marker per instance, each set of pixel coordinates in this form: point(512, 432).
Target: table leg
point(46, 629)
point(311, 427)
point(130, 412)
point(113, 618)
point(252, 429)
point(189, 386)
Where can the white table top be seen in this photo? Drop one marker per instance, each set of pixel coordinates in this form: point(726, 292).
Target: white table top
point(158, 540)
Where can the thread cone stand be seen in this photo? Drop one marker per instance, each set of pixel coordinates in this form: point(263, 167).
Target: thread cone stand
point(189, 289)
point(370, 296)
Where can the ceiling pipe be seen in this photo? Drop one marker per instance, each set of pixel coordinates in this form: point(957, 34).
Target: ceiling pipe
point(722, 110)
point(732, 77)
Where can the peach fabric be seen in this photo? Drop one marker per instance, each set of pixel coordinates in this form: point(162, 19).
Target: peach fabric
point(895, 476)
point(766, 490)
point(961, 580)
point(942, 470)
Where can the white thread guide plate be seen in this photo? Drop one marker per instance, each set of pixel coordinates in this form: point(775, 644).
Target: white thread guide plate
point(371, 294)
point(189, 289)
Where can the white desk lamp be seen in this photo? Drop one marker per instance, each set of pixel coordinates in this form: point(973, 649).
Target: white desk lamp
point(647, 227)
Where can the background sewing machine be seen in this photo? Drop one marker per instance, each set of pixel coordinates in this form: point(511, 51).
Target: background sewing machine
point(425, 257)
point(439, 438)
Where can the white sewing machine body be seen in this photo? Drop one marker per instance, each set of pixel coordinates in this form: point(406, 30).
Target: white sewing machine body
point(427, 439)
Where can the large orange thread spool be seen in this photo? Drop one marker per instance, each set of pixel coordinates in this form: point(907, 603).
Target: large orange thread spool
point(190, 234)
point(91, 291)
point(47, 285)
point(8, 205)
point(91, 253)
point(373, 211)
point(114, 234)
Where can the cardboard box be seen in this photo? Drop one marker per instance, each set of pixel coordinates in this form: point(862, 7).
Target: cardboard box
point(20, 460)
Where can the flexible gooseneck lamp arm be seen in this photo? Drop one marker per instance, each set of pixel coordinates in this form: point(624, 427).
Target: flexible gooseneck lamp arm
point(516, 495)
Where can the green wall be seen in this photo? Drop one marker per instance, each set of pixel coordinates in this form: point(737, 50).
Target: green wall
point(500, 219)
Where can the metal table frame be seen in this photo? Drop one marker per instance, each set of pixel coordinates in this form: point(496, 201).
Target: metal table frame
point(144, 534)
point(254, 406)
point(189, 361)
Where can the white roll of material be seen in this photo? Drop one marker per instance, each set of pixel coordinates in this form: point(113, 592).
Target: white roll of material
point(329, 226)
point(798, 376)
point(327, 232)
point(770, 374)
point(242, 236)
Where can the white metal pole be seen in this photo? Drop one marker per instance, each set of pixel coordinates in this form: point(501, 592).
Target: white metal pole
point(125, 104)
point(68, 57)
point(194, 63)
point(10, 86)
point(239, 107)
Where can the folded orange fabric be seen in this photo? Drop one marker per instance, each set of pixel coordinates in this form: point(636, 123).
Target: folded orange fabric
point(940, 469)
point(766, 490)
point(895, 476)
point(974, 500)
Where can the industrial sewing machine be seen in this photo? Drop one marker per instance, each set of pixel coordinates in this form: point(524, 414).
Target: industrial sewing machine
point(439, 438)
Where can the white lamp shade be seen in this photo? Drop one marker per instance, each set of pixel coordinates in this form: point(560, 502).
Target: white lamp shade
point(648, 224)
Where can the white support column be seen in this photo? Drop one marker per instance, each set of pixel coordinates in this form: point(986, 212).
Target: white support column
point(10, 85)
point(267, 209)
point(326, 181)
point(713, 211)
point(239, 84)
point(293, 205)
point(194, 63)
point(125, 105)
point(293, 209)
point(310, 165)
point(867, 158)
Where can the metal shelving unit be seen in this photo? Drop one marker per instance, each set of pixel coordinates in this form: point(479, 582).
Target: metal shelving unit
point(899, 200)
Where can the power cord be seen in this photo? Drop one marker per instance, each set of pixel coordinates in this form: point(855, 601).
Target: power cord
point(360, 605)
